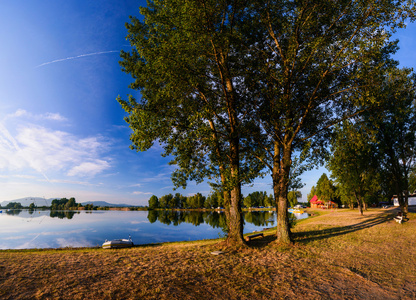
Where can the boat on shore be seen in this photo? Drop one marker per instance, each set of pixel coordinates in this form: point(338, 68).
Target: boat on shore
point(295, 211)
point(120, 243)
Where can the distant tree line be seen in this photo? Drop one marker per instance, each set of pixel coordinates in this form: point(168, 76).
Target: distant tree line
point(214, 200)
point(14, 205)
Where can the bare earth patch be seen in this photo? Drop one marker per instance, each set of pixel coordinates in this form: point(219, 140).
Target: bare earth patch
point(338, 255)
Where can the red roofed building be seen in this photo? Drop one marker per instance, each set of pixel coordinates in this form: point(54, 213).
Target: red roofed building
point(316, 203)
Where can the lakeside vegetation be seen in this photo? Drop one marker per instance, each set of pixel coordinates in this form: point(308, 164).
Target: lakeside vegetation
point(336, 254)
point(233, 91)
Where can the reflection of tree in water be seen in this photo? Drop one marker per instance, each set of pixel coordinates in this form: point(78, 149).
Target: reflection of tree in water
point(259, 218)
point(62, 214)
point(212, 218)
point(152, 216)
point(13, 212)
point(216, 220)
point(194, 217)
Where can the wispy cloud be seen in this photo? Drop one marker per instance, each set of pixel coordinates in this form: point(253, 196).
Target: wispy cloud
point(46, 150)
point(89, 168)
point(21, 113)
point(75, 57)
point(142, 193)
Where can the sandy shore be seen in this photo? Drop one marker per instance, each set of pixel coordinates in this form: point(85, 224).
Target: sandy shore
point(337, 255)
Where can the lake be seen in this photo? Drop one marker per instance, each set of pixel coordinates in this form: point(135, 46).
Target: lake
point(24, 229)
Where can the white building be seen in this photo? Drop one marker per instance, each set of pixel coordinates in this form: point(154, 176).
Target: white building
point(412, 200)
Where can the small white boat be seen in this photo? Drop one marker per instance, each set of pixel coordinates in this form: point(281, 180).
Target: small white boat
point(121, 243)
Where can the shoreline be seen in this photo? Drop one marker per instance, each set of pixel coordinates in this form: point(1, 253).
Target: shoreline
point(336, 255)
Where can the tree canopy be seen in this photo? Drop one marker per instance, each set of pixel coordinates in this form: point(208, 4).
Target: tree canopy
point(230, 87)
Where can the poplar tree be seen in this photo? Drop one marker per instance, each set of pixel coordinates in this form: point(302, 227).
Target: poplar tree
point(314, 63)
point(353, 161)
point(395, 131)
point(223, 82)
point(187, 61)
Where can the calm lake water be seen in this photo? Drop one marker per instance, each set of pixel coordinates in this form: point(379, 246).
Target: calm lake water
point(24, 229)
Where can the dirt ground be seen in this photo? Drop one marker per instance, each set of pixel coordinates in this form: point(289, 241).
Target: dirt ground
point(337, 255)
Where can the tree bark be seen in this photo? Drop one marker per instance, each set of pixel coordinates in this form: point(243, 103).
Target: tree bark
point(280, 187)
point(359, 202)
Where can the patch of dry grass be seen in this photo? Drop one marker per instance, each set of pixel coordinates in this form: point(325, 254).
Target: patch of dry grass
point(336, 255)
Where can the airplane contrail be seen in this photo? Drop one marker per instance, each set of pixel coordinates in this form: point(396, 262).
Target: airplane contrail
point(75, 57)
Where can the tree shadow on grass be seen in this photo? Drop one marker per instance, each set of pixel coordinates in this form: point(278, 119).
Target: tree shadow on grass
point(313, 235)
point(305, 237)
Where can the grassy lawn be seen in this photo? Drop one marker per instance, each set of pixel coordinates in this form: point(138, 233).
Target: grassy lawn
point(336, 255)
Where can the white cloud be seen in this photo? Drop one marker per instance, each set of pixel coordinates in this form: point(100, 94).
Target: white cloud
point(54, 117)
point(141, 193)
point(46, 150)
point(135, 185)
point(89, 168)
point(36, 117)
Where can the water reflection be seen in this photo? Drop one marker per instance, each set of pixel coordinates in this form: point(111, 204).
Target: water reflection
point(53, 229)
point(213, 218)
point(62, 214)
point(13, 212)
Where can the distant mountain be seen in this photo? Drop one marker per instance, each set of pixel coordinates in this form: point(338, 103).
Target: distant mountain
point(103, 203)
point(26, 201)
point(48, 202)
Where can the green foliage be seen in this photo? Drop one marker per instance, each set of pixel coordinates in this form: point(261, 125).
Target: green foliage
point(14, 205)
point(258, 199)
point(214, 200)
point(90, 207)
point(229, 87)
point(64, 204)
point(325, 189)
point(311, 193)
point(165, 200)
point(153, 202)
point(293, 197)
point(196, 201)
point(374, 153)
point(353, 163)
point(395, 131)
point(312, 67)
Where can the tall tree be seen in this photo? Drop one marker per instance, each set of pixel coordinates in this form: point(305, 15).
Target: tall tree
point(395, 131)
point(311, 61)
point(325, 189)
point(311, 193)
point(187, 62)
point(153, 202)
point(353, 161)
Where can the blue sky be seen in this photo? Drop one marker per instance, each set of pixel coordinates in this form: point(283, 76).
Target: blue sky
point(62, 132)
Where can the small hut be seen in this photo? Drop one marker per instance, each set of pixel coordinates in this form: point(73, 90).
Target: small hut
point(331, 204)
point(316, 203)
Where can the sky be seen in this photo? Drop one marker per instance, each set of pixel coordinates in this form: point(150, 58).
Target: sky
point(62, 132)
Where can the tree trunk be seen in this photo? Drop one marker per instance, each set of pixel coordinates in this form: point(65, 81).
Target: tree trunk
point(359, 202)
point(403, 202)
point(235, 224)
point(235, 230)
point(280, 176)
